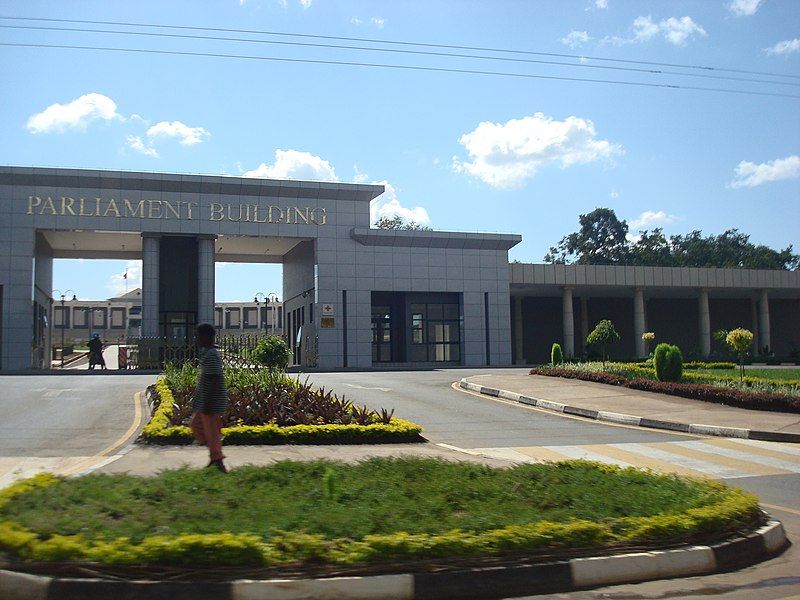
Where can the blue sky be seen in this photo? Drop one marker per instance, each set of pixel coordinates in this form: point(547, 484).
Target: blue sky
point(459, 152)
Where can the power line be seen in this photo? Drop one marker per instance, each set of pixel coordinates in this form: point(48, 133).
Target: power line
point(396, 51)
point(404, 43)
point(395, 66)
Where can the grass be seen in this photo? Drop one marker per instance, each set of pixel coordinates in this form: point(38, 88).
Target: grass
point(377, 496)
point(772, 374)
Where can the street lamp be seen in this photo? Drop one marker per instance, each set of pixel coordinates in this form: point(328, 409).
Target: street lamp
point(63, 320)
point(272, 297)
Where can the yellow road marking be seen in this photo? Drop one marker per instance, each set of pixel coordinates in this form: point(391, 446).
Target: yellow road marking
point(793, 511)
point(137, 419)
point(456, 387)
point(733, 463)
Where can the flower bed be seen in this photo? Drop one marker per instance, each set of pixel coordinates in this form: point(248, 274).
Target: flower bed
point(162, 427)
point(294, 514)
point(642, 379)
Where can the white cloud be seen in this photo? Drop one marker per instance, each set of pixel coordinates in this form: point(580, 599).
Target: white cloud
point(117, 283)
point(650, 218)
point(613, 194)
point(76, 115)
point(784, 47)
point(749, 174)
point(387, 205)
point(676, 31)
point(378, 22)
point(293, 164)
point(601, 4)
point(575, 39)
point(187, 136)
point(744, 8)
point(135, 142)
point(306, 3)
point(505, 155)
point(359, 176)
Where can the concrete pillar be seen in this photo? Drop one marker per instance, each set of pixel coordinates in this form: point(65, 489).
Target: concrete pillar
point(705, 324)
point(519, 351)
point(205, 279)
point(763, 322)
point(151, 245)
point(754, 323)
point(639, 322)
point(584, 321)
point(569, 324)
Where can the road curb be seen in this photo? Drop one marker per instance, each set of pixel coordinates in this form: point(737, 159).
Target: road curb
point(634, 420)
point(494, 582)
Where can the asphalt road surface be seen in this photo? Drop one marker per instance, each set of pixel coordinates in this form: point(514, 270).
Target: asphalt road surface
point(47, 420)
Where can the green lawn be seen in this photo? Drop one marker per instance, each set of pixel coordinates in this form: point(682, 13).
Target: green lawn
point(350, 501)
point(774, 374)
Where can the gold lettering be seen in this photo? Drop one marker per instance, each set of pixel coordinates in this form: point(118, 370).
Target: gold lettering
point(301, 214)
point(33, 202)
point(96, 207)
point(66, 205)
point(279, 218)
point(132, 212)
point(151, 213)
point(288, 215)
point(112, 205)
point(81, 206)
point(230, 215)
point(172, 209)
point(216, 211)
point(255, 215)
point(48, 204)
point(320, 219)
point(247, 213)
point(189, 206)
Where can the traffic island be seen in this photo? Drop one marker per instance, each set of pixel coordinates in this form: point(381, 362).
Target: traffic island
point(380, 528)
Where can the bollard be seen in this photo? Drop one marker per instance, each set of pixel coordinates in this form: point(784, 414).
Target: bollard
point(122, 357)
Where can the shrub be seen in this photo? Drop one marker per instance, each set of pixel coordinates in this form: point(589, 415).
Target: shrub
point(556, 355)
point(595, 376)
point(273, 352)
point(739, 340)
point(603, 335)
point(668, 362)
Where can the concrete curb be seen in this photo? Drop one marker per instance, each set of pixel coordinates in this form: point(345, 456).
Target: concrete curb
point(494, 582)
point(623, 419)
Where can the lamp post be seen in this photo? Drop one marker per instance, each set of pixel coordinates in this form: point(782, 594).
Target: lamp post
point(63, 321)
point(272, 297)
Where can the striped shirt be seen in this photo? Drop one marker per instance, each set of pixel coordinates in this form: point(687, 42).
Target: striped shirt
point(211, 395)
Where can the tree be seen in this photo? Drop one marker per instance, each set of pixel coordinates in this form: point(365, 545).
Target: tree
point(273, 352)
point(739, 340)
point(603, 335)
point(601, 240)
point(397, 222)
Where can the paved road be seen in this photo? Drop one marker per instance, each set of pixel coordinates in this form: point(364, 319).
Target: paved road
point(54, 422)
point(47, 419)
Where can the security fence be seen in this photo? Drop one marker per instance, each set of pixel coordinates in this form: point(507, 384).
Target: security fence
point(154, 352)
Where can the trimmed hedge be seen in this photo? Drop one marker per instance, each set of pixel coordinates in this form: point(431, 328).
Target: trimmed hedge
point(159, 431)
point(734, 510)
point(755, 400)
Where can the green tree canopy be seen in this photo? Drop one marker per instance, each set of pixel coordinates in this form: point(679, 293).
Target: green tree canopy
point(397, 222)
point(603, 239)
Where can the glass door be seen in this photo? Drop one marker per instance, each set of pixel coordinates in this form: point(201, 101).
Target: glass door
point(381, 334)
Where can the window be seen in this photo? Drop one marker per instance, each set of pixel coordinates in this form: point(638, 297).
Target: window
point(435, 332)
point(135, 310)
point(117, 318)
point(233, 318)
point(61, 317)
point(99, 318)
point(250, 317)
point(218, 318)
point(79, 317)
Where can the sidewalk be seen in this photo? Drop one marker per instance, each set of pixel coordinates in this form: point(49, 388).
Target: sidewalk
point(648, 405)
